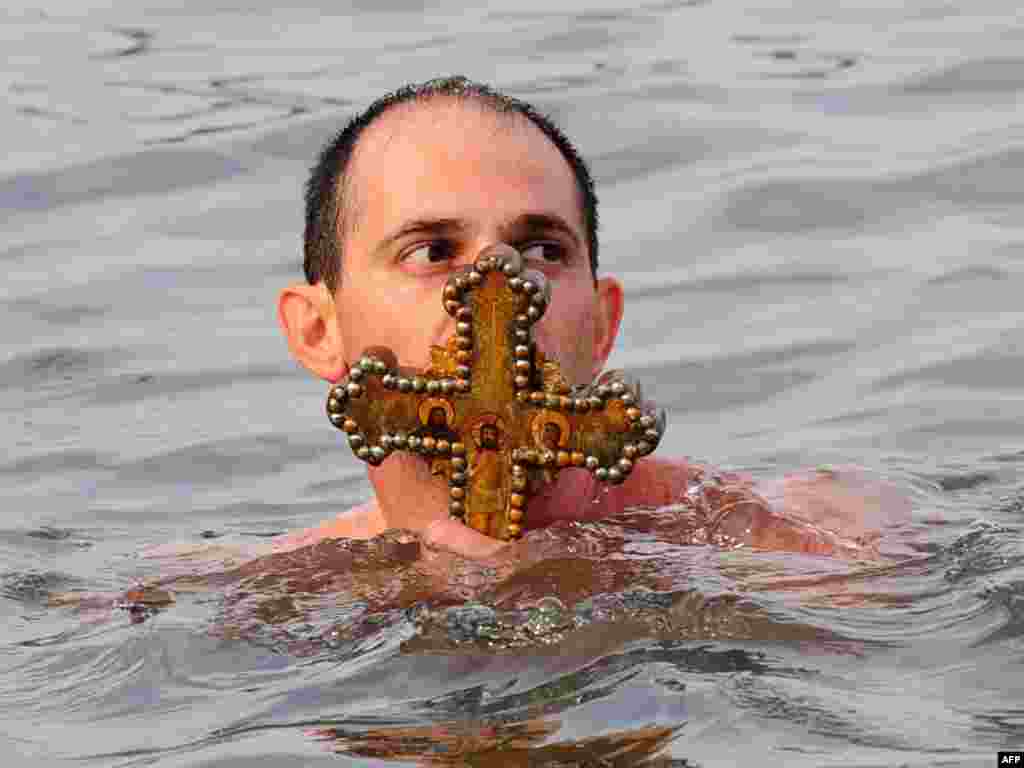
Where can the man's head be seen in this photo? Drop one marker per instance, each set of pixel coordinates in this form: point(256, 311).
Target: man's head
point(330, 195)
point(417, 186)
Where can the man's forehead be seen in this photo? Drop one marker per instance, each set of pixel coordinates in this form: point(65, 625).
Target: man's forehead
point(427, 133)
point(406, 118)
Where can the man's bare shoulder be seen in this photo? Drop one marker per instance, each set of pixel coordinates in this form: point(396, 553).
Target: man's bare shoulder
point(824, 513)
point(362, 522)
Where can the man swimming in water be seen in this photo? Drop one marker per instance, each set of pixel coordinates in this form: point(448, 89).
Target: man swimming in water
point(416, 186)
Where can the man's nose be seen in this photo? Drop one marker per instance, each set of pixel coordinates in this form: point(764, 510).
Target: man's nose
point(490, 243)
point(463, 267)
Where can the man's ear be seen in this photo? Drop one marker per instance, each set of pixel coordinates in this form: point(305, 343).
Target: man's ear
point(310, 323)
point(607, 320)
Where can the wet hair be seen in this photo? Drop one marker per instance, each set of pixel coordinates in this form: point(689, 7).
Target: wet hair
point(328, 186)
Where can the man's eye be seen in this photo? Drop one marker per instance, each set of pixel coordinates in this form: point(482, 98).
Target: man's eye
point(431, 253)
point(549, 252)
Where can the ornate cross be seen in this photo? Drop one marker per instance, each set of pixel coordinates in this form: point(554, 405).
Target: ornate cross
point(491, 414)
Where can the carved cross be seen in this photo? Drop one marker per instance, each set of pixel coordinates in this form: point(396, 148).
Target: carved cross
point(491, 414)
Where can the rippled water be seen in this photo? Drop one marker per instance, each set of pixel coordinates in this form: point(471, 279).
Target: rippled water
point(816, 212)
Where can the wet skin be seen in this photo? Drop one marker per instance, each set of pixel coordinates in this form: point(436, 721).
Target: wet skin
point(421, 205)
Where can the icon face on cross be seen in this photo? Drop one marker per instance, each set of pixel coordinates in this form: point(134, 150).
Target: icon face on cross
point(490, 413)
point(489, 437)
point(437, 418)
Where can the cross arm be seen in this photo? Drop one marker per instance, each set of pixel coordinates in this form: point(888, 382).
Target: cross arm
point(383, 407)
point(604, 427)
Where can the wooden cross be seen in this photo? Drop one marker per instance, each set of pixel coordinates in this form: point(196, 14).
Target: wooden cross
point(491, 414)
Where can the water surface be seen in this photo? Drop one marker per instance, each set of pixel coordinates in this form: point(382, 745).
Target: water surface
point(815, 210)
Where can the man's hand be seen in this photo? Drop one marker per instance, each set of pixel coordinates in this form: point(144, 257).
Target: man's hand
point(454, 536)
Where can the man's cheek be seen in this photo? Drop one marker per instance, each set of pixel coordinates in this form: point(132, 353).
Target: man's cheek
point(569, 343)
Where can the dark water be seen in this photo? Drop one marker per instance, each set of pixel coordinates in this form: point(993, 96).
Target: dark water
point(816, 212)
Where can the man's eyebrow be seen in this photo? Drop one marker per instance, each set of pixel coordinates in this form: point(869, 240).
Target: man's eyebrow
point(531, 223)
point(426, 226)
point(524, 225)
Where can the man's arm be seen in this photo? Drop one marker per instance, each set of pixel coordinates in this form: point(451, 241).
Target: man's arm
point(840, 511)
point(362, 522)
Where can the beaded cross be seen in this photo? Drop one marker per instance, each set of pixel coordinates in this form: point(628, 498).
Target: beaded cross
point(490, 413)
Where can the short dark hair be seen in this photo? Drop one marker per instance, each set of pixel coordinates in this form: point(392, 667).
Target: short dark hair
point(327, 185)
